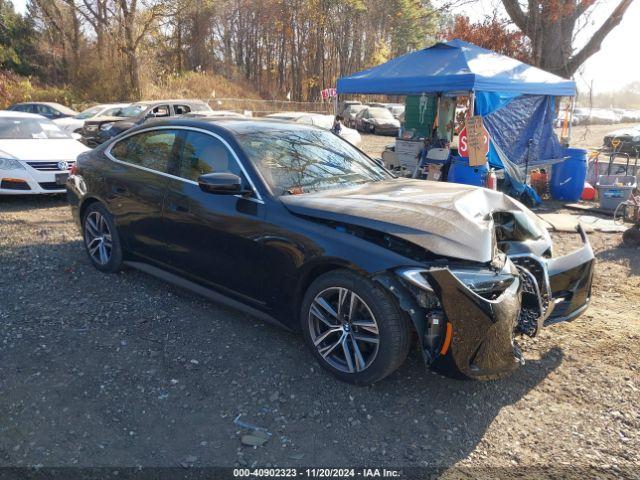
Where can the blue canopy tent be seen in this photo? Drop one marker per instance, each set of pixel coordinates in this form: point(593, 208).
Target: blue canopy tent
point(516, 100)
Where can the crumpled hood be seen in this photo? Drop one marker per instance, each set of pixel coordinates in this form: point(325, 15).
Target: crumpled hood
point(447, 219)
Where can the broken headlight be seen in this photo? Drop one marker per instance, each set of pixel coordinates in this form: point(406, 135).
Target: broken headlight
point(483, 281)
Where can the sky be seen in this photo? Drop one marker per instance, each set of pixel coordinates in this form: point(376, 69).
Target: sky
point(610, 69)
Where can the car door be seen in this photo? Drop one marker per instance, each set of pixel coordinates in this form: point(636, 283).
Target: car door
point(214, 239)
point(136, 187)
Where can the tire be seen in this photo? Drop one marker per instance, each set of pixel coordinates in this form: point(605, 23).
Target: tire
point(377, 359)
point(98, 227)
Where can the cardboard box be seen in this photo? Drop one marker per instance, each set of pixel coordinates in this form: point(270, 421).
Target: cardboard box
point(434, 172)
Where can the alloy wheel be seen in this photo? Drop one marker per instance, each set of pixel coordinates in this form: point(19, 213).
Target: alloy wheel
point(343, 330)
point(97, 237)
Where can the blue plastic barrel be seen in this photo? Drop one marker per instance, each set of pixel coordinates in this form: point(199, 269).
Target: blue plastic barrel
point(461, 172)
point(568, 176)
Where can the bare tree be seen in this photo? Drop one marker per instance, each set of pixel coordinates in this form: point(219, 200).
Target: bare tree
point(550, 25)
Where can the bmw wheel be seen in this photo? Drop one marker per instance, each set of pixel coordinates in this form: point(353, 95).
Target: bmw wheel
point(354, 327)
point(101, 239)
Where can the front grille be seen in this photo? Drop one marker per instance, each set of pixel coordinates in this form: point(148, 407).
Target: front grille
point(50, 166)
point(51, 186)
point(531, 310)
point(536, 268)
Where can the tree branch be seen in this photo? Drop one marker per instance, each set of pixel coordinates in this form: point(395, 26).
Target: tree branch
point(514, 10)
point(594, 44)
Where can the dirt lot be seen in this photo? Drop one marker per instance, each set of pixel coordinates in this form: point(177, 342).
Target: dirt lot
point(124, 370)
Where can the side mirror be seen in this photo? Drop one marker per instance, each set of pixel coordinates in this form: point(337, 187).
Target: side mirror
point(222, 184)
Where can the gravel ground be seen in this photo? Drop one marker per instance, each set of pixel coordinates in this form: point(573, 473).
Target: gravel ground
point(124, 370)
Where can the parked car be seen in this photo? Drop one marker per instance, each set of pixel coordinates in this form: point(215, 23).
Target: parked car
point(629, 139)
point(345, 103)
point(319, 120)
point(377, 120)
point(630, 116)
point(349, 114)
point(35, 155)
point(396, 109)
point(602, 116)
point(100, 130)
point(295, 225)
point(50, 110)
point(74, 124)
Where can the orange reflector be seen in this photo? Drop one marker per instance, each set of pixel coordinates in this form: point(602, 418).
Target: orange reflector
point(447, 339)
point(13, 180)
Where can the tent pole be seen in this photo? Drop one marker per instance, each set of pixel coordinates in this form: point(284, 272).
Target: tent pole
point(573, 106)
point(472, 103)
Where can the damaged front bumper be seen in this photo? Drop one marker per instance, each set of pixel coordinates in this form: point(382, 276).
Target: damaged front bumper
point(482, 341)
point(564, 283)
point(476, 332)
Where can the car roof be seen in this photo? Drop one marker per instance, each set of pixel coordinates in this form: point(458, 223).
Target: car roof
point(14, 114)
point(105, 105)
point(55, 105)
point(175, 100)
point(233, 125)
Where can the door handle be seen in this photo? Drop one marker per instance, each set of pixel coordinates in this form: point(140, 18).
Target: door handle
point(119, 190)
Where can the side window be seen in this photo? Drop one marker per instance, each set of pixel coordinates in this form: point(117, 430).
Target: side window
point(161, 111)
point(204, 154)
point(21, 108)
point(181, 109)
point(152, 149)
point(43, 110)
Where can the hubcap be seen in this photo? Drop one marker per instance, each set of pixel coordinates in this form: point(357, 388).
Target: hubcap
point(344, 330)
point(97, 237)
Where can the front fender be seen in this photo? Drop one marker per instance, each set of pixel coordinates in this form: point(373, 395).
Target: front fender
point(482, 343)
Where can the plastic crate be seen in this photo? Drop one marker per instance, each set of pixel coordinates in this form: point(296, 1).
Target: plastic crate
point(615, 189)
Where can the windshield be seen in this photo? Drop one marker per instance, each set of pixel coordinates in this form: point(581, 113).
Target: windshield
point(381, 113)
point(132, 110)
point(88, 113)
point(18, 128)
point(307, 160)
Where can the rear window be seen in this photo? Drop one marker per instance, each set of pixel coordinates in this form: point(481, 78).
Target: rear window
point(18, 128)
point(380, 112)
point(88, 113)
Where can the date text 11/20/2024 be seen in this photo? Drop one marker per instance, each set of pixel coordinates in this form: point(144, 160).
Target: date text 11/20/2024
point(317, 472)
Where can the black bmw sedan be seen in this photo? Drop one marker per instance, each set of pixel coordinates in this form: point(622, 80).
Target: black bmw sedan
point(297, 226)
